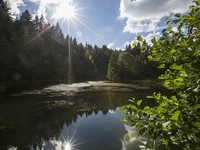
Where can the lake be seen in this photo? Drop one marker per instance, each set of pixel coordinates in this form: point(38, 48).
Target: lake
point(82, 116)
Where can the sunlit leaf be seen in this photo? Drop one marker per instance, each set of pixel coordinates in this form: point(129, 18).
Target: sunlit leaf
point(161, 66)
point(176, 116)
point(150, 57)
point(144, 46)
point(198, 2)
point(165, 124)
point(172, 51)
point(150, 97)
point(176, 67)
point(139, 102)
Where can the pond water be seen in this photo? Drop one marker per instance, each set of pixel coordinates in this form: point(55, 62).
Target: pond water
point(82, 116)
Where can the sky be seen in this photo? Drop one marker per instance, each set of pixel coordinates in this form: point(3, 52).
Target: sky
point(114, 23)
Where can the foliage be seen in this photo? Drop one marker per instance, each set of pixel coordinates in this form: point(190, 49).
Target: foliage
point(131, 64)
point(174, 121)
point(113, 67)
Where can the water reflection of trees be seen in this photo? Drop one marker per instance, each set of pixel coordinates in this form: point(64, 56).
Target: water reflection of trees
point(45, 122)
point(40, 118)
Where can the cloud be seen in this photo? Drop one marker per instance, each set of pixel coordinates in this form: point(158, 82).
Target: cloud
point(47, 8)
point(110, 45)
point(123, 47)
point(151, 35)
point(135, 26)
point(144, 15)
point(118, 48)
point(126, 43)
point(14, 6)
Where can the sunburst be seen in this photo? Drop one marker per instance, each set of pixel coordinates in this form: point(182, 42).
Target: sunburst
point(65, 10)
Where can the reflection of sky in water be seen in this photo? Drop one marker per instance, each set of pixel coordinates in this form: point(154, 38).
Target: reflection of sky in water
point(96, 131)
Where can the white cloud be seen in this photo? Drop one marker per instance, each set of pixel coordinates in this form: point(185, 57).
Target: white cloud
point(135, 26)
point(47, 8)
point(118, 48)
point(14, 5)
point(144, 15)
point(126, 43)
point(151, 35)
point(111, 45)
point(123, 47)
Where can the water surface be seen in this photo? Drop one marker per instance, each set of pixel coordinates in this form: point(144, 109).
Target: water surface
point(84, 116)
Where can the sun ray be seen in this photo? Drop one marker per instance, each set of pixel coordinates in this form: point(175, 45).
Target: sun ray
point(87, 27)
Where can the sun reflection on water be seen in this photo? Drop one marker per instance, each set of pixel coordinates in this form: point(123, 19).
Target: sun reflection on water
point(60, 145)
point(68, 146)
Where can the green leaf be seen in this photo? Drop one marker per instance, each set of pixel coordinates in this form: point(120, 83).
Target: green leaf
point(153, 40)
point(160, 109)
point(197, 124)
point(165, 124)
point(133, 107)
point(147, 108)
point(176, 116)
point(191, 7)
point(197, 2)
point(172, 51)
point(132, 100)
point(134, 43)
point(150, 57)
point(173, 98)
point(139, 102)
point(178, 15)
point(166, 84)
point(196, 107)
point(163, 104)
point(139, 38)
point(150, 97)
point(176, 67)
point(161, 66)
point(144, 46)
point(180, 26)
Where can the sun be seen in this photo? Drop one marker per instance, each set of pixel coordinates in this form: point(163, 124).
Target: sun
point(65, 10)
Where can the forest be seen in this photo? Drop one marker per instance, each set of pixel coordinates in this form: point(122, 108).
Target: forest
point(34, 52)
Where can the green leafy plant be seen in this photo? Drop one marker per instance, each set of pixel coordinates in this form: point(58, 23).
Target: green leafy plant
point(173, 122)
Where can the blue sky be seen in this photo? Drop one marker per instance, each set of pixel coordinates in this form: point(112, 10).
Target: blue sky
point(114, 23)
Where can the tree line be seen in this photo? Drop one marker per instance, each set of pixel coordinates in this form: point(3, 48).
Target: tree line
point(36, 53)
point(132, 64)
